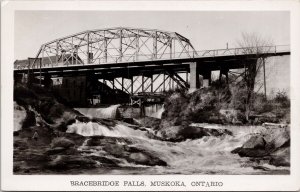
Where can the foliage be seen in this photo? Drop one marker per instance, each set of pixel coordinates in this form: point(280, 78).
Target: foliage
point(282, 98)
point(22, 93)
point(256, 46)
point(42, 101)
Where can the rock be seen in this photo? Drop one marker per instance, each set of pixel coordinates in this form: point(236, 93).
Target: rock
point(55, 150)
point(16, 168)
point(280, 161)
point(121, 149)
point(29, 119)
point(16, 133)
point(281, 157)
point(63, 126)
point(171, 133)
point(107, 141)
point(248, 152)
point(35, 158)
point(62, 142)
point(273, 144)
point(75, 138)
point(105, 162)
point(58, 162)
point(20, 144)
point(142, 157)
point(69, 162)
point(253, 147)
point(276, 138)
point(150, 122)
point(139, 158)
point(261, 168)
point(255, 142)
point(181, 133)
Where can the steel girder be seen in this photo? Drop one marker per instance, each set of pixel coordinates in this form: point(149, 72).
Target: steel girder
point(114, 45)
point(153, 83)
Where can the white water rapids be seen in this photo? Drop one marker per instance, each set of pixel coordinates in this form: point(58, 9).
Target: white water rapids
point(108, 113)
point(19, 116)
point(208, 155)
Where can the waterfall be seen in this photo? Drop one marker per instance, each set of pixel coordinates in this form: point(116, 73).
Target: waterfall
point(19, 116)
point(110, 112)
point(206, 155)
point(154, 111)
point(158, 114)
point(94, 128)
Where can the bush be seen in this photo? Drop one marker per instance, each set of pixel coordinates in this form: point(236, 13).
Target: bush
point(282, 98)
point(21, 92)
point(238, 97)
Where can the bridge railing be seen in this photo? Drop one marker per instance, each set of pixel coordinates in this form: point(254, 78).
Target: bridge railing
point(176, 55)
point(243, 51)
point(194, 54)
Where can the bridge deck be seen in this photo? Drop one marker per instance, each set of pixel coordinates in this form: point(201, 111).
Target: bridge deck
point(127, 69)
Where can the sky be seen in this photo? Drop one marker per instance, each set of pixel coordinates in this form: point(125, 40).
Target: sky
point(205, 29)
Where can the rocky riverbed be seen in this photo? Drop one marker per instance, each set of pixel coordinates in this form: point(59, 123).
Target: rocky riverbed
point(51, 138)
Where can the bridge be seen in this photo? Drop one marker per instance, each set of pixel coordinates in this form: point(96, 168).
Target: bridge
point(134, 61)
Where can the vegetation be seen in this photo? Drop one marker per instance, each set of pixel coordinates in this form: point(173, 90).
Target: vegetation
point(257, 46)
point(42, 101)
point(226, 105)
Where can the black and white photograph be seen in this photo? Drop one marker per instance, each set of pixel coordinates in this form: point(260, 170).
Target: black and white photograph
point(152, 92)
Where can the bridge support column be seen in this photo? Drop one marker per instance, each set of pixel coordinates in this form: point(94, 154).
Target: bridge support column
point(206, 78)
point(223, 71)
point(194, 77)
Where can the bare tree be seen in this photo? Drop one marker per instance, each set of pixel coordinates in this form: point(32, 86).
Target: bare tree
point(255, 48)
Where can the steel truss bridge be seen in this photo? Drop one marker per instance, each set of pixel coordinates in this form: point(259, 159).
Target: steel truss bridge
point(138, 60)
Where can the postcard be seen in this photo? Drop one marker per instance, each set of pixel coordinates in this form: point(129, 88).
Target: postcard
point(150, 95)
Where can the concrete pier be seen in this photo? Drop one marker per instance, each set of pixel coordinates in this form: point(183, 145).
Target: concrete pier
point(194, 76)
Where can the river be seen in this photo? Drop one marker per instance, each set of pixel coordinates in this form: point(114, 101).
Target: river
point(208, 155)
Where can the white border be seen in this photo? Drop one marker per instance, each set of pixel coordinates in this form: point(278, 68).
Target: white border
point(59, 182)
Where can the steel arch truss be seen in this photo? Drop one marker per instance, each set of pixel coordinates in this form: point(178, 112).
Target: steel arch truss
point(114, 45)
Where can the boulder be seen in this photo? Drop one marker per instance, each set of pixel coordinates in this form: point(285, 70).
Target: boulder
point(29, 119)
point(64, 162)
point(272, 143)
point(145, 159)
point(253, 147)
point(255, 142)
point(150, 122)
point(105, 162)
point(62, 142)
point(55, 150)
point(248, 152)
point(276, 138)
point(181, 133)
point(281, 157)
point(35, 158)
point(171, 133)
point(20, 144)
point(121, 149)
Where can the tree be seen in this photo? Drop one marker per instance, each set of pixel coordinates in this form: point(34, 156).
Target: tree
point(255, 48)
